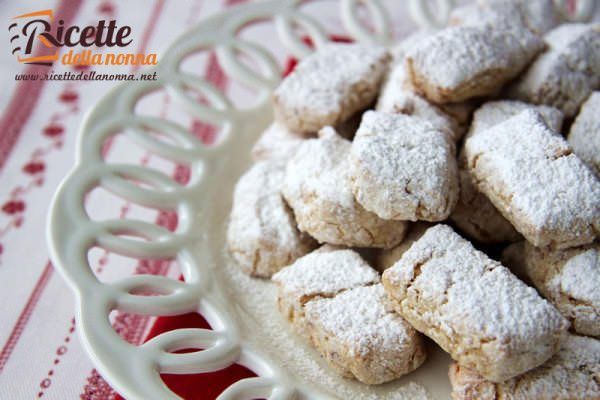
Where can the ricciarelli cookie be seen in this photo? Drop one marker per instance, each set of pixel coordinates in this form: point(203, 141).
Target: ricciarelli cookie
point(572, 374)
point(317, 187)
point(473, 307)
point(569, 279)
point(402, 168)
point(322, 273)
point(492, 113)
point(262, 235)
point(469, 61)
point(584, 136)
point(362, 337)
point(531, 176)
point(474, 214)
point(398, 97)
point(567, 72)
point(329, 86)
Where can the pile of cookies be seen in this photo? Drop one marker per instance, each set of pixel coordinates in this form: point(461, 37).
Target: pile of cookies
point(378, 157)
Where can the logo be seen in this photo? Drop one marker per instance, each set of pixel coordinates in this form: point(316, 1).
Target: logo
point(36, 38)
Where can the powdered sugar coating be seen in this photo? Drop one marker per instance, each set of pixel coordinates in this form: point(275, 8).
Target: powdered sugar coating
point(324, 273)
point(329, 86)
point(472, 306)
point(492, 113)
point(276, 142)
point(358, 332)
point(572, 374)
point(468, 61)
point(584, 135)
point(398, 97)
point(317, 187)
point(530, 175)
point(474, 213)
point(538, 16)
point(262, 233)
point(567, 72)
point(402, 168)
point(570, 279)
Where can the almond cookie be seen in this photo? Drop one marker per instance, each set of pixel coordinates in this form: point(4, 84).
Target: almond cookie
point(362, 337)
point(567, 72)
point(397, 97)
point(388, 257)
point(473, 307)
point(584, 135)
point(277, 141)
point(539, 16)
point(474, 214)
point(262, 235)
point(317, 187)
point(569, 279)
point(572, 374)
point(322, 273)
point(468, 61)
point(533, 179)
point(492, 113)
point(402, 168)
point(329, 86)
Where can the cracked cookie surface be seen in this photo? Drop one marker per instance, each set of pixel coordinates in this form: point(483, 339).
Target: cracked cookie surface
point(262, 235)
point(530, 174)
point(572, 374)
point(360, 335)
point(329, 86)
point(472, 306)
point(317, 187)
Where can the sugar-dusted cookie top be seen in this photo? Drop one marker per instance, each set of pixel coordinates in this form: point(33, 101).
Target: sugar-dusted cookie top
point(569, 279)
point(324, 273)
point(362, 337)
point(472, 306)
point(572, 374)
point(532, 177)
point(403, 168)
point(458, 63)
point(567, 72)
point(317, 187)
point(327, 87)
point(397, 96)
point(584, 135)
point(494, 112)
point(362, 319)
point(262, 234)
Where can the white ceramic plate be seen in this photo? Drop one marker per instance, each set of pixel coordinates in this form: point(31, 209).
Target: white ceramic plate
point(241, 310)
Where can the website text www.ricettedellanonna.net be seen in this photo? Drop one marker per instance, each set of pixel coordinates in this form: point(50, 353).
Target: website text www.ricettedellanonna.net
point(85, 76)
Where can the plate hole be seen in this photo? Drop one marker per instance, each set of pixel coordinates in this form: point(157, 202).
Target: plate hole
point(212, 384)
